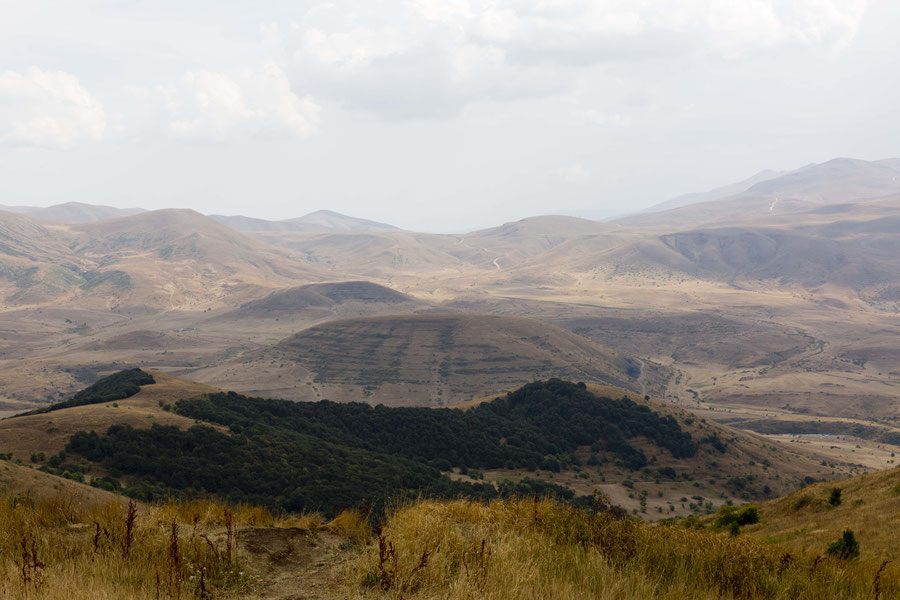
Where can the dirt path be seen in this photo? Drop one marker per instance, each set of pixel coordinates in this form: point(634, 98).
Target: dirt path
point(294, 564)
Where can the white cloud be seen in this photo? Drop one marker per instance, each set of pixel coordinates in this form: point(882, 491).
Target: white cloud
point(47, 109)
point(435, 57)
point(241, 103)
point(574, 173)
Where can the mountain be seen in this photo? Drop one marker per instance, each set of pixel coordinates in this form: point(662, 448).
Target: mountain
point(718, 193)
point(180, 258)
point(317, 222)
point(423, 360)
point(838, 181)
point(159, 259)
point(73, 212)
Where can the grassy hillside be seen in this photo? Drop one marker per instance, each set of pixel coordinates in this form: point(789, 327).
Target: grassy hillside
point(530, 549)
point(48, 433)
point(869, 505)
point(64, 548)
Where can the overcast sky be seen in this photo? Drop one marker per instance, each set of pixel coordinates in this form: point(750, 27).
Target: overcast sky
point(436, 115)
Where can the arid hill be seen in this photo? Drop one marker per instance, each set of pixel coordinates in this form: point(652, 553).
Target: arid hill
point(317, 295)
point(164, 259)
point(423, 360)
point(319, 221)
point(73, 212)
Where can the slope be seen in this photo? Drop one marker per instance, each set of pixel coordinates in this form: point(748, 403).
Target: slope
point(869, 505)
point(318, 222)
point(24, 436)
point(424, 360)
point(181, 259)
point(74, 212)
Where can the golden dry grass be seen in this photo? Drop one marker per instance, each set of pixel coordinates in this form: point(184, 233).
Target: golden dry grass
point(870, 506)
point(61, 547)
point(528, 549)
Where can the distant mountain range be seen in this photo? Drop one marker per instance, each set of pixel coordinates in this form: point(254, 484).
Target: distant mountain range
point(73, 212)
point(315, 222)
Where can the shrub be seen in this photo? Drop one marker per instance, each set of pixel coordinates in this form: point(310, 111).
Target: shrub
point(731, 518)
point(845, 548)
point(803, 501)
point(835, 498)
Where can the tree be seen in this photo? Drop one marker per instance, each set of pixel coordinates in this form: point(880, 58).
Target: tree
point(845, 548)
point(835, 498)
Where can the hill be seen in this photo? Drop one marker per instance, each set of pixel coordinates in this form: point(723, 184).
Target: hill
point(838, 181)
point(243, 447)
point(552, 436)
point(73, 212)
point(181, 259)
point(318, 222)
point(868, 504)
point(152, 260)
point(718, 193)
point(320, 295)
point(424, 360)
point(555, 440)
point(25, 435)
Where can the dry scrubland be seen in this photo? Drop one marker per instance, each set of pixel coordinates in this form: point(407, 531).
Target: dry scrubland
point(518, 549)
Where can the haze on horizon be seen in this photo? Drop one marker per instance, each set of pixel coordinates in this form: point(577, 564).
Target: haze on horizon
point(433, 115)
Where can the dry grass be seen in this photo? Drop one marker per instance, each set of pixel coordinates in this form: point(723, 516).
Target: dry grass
point(870, 506)
point(352, 524)
point(541, 550)
point(59, 548)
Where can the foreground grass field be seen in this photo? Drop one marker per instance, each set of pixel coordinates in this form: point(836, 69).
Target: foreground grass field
point(59, 548)
point(535, 549)
point(62, 548)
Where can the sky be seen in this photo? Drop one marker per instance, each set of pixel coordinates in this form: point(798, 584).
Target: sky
point(433, 115)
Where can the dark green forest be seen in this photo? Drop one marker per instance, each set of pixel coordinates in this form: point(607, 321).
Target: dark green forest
point(315, 456)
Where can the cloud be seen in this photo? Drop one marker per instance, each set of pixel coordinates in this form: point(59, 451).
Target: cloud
point(47, 109)
point(434, 58)
point(242, 103)
point(574, 173)
point(395, 76)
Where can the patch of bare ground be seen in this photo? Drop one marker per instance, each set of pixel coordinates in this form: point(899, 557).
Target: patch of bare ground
point(294, 563)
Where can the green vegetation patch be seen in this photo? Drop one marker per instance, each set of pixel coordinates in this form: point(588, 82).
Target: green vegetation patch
point(315, 456)
point(117, 386)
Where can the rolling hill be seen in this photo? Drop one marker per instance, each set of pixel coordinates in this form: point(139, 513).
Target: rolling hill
point(838, 181)
point(549, 436)
point(317, 222)
point(423, 360)
point(73, 212)
point(156, 260)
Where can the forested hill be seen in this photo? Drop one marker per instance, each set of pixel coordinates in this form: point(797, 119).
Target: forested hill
point(314, 456)
point(540, 421)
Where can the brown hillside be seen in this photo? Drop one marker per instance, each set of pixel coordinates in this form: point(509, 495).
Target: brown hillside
point(870, 506)
point(50, 432)
point(423, 360)
point(746, 467)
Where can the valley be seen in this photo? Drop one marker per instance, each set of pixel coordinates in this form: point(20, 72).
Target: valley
point(666, 366)
point(787, 311)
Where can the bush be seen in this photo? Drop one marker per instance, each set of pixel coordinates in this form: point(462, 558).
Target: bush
point(835, 498)
point(731, 518)
point(845, 548)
